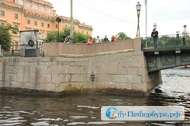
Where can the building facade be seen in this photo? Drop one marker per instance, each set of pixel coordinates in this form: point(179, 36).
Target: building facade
point(36, 15)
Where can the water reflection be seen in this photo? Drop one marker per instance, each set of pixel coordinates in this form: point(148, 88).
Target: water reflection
point(84, 110)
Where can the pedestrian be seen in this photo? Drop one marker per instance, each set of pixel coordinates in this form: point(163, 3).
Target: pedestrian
point(154, 34)
point(67, 39)
point(184, 33)
point(113, 38)
point(106, 39)
point(90, 41)
point(98, 40)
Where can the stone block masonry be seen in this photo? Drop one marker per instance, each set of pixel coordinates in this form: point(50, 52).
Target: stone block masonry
point(118, 72)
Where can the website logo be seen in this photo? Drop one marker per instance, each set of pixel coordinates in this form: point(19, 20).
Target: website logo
point(143, 113)
point(111, 113)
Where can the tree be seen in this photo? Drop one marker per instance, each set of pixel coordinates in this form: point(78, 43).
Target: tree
point(51, 37)
point(147, 41)
point(12, 29)
point(122, 36)
point(78, 37)
point(64, 34)
point(5, 36)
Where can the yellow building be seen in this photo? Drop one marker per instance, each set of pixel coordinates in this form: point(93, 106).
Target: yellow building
point(35, 15)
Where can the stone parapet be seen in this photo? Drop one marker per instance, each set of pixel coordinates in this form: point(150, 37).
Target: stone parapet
point(59, 49)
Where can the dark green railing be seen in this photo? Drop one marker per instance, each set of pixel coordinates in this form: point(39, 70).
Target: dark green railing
point(167, 41)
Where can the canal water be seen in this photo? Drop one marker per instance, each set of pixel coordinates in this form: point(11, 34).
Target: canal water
point(84, 110)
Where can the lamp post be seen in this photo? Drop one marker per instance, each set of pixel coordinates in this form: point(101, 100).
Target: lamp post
point(177, 34)
point(146, 21)
point(184, 34)
point(177, 38)
point(58, 19)
point(154, 26)
point(138, 7)
point(71, 18)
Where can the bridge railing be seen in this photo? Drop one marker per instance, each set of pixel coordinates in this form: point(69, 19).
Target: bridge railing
point(167, 41)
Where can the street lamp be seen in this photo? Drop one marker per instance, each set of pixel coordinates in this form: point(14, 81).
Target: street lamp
point(177, 34)
point(138, 7)
point(71, 18)
point(58, 19)
point(184, 34)
point(154, 26)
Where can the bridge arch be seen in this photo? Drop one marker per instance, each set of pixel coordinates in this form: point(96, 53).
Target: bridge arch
point(159, 59)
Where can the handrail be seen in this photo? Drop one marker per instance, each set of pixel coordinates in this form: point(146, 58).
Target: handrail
point(167, 41)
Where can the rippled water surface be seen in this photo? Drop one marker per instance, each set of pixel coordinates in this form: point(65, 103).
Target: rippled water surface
point(84, 110)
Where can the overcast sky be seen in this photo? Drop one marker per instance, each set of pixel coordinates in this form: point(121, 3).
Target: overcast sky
point(108, 17)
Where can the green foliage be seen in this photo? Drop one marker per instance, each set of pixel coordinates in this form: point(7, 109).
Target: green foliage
point(5, 38)
point(78, 37)
point(148, 41)
point(14, 30)
point(51, 37)
point(188, 41)
point(167, 41)
point(122, 36)
point(64, 34)
point(164, 41)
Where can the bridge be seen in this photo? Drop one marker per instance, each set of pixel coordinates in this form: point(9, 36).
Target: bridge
point(126, 66)
point(172, 51)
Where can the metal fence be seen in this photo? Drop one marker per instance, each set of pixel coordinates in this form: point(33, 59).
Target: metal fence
point(15, 50)
point(166, 41)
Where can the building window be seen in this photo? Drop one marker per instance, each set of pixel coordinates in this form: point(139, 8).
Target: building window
point(16, 26)
point(65, 26)
point(56, 26)
point(28, 4)
point(42, 35)
point(35, 23)
point(87, 33)
point(74, 28)
point(28, 28)
point(15, 32)
point(28, 21)
point(42, 24)
point(21, 2)
point(48, 25)
point(82, 32)
point(2, 13)
point(2, 24)
point(42, 8)
point(47, 10)
point(35, 6)
point(16, 16)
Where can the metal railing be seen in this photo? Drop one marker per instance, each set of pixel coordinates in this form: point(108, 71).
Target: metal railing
point(16, 48)
point(167, 41)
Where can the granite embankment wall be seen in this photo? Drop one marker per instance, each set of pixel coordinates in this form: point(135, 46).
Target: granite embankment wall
point(120, 72)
